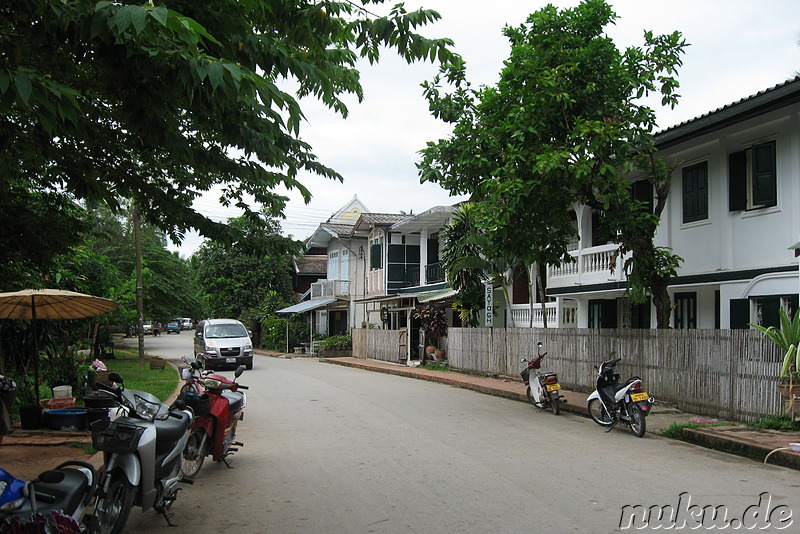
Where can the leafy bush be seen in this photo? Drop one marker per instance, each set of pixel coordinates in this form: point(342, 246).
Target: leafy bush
point(777, 422)
point(339, 341)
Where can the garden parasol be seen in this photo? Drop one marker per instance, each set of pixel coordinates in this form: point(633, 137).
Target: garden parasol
point(50, 304)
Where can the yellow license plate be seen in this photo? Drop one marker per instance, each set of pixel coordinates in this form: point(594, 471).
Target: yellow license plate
point(638, 397)
point(552, 387)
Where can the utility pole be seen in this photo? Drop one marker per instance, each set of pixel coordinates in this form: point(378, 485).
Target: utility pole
point(137, 245)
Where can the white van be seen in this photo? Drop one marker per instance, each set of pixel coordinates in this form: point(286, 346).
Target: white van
point(221, 343)
point(186, 323)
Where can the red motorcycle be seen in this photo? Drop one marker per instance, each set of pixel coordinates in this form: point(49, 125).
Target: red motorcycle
point(218, 407)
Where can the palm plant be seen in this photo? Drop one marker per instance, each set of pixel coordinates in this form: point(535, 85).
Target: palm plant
point(788, 339)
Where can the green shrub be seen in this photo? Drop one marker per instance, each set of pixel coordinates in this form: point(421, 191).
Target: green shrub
point(339, 341)
point(777, 422)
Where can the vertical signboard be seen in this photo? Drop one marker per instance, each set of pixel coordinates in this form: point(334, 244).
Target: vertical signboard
point(489, 304)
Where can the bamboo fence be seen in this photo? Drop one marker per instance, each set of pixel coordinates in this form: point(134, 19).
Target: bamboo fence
point(731, 374)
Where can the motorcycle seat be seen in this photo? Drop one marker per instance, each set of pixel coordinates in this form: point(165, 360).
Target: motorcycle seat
point(66, 494)
point(172, 428)
point(235, 400)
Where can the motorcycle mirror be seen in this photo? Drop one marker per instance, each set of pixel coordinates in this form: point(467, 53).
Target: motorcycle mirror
point(522, 360)
point(196, 365)
point(116, 378)
point(239, 371)
point(539, 344)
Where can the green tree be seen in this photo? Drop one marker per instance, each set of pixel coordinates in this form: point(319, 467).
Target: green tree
point(235, 281)
point(114, 101)
point(37, 226)
point(469, 259)
point(564, 124)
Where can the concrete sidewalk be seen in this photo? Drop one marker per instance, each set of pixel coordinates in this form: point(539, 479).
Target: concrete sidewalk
point(732, 438)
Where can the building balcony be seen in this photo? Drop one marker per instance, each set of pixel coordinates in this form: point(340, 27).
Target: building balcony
point(330, 288)
point(519, 315)
point(593, 265)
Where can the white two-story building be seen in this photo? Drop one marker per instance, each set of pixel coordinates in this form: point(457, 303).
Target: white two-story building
point(733, 215)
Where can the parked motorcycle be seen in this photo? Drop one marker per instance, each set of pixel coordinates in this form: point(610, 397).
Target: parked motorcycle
point(543, 391)
point(218, 407)
point(142, 453)
point(612, 402)
point(58, 498)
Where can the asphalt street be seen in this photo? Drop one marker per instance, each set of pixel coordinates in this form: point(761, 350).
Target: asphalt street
point(340, 450)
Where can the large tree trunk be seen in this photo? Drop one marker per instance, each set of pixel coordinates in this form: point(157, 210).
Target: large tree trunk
point(661, 301)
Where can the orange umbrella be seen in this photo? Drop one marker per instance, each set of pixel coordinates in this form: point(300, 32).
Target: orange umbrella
point(51, 304)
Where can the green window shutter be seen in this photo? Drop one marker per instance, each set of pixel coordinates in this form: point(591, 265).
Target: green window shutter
point(769, 311)
point(643, 192)
point(608, 314)
point(740, 314)
point(376, 258)
point(695, 192)
point(737, 181)
point(764, 175)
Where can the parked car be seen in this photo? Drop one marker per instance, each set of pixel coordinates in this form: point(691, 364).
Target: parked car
point(173, 326)
point(220, 343)
point(147, 327)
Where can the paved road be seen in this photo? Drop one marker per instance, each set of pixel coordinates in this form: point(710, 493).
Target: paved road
point(334, 449)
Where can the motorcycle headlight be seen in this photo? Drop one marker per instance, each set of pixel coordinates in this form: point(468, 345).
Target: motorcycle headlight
point(210, 383)
point(145, 408)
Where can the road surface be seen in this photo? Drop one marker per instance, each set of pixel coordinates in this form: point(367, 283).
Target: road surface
point(338, 450)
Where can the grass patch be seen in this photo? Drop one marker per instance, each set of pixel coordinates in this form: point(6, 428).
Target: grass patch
point(675, 430)
point(435, 367)
point(85, 448)
point(160, 382)
point(777, 422)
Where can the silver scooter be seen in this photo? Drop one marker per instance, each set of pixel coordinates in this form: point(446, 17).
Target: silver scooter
point(142, 453)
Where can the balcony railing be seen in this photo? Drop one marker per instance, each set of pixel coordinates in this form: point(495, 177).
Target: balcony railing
point(330, 288)
point(591, 265)
point(434, 273)
point(565, 317)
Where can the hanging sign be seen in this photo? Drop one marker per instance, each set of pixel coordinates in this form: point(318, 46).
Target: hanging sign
point(489, 304)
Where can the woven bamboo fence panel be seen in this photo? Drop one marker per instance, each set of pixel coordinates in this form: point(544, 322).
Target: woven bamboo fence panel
point(721, 373)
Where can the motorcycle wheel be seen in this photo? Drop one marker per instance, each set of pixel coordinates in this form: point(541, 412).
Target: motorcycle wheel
point(111, 511)
point(194, 453)
point(555, 402)
point(638, 424)
point(598, 413)
point(529, 393)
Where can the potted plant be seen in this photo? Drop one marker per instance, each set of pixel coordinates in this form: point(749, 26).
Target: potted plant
point(30, 413)
point(433, 322)
point(788, 339)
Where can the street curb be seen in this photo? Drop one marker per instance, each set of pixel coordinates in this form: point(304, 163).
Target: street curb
point(710, 438)
point(442, 378)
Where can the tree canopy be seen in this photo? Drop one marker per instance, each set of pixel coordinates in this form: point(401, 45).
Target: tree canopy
point(564, 125)
point(159, 103)
point(240, 284)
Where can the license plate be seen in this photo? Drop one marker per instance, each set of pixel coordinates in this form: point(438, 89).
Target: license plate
point(552, 387)
point(230, 360)
point(639, 397)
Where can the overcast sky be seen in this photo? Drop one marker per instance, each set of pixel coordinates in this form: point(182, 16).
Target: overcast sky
point(738, 48)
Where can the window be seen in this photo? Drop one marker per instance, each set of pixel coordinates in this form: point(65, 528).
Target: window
point(695, 192)
point(685, 310)
point(752, 178)
point(602, 313)
point(376, 254)
point(333, 265)
point(345, 274)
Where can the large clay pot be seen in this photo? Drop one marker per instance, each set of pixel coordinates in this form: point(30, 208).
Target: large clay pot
point(430, 349)
point(783, 389)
